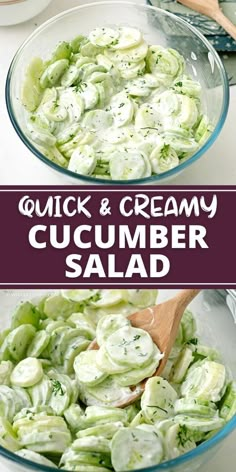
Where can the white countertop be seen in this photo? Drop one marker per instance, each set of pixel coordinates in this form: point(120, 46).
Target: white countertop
point(19, 167)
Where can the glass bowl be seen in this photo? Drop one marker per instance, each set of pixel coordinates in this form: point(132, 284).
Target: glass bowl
point(159, 27)
point(216, 328)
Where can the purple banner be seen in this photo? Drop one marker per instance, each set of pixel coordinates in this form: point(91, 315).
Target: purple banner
point(117, 237)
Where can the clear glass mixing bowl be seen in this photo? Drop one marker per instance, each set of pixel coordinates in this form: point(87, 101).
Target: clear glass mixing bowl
point(216, 328)
point(159, 27)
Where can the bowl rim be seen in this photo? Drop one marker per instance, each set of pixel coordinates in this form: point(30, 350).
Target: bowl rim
point(145, 180)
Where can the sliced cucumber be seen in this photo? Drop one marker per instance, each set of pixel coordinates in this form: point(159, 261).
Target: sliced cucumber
point(83, 160)
point(39, 344)
point(122, 109)
point(130, 346)
point(128, 165)
point(86, 369)
point(135, 376)
point(27, 373)
point(8, 438)
point(19, 339)
point(139, 449)
point(103, 37)
point(109, 324)
point(25, 313)
point(107, 365)
point(158, 399)
point(6, 368)
point(35, 457)
point(126, 38)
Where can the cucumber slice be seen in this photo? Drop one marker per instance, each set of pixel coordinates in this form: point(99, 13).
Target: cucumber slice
point(86, 369)
point(163, 158)
point(130, 346)
point(90, 69)
point(25, 313)
point(27, 373)
point(165, 63)
point(92, 444)
point(76, 43)
point(187, 86)
point(138, 88)
point(8, 438)
point(73, 416)
point(158, 399)
point(83, 160)
point(73, 103)
point(122, 109)
point(52, 107)
point(228, 403)
point(39, 344)
point(79, 295)
point(104, 430)
point(135, 376)
point(40, 393)
point(35, 457)
point(180, 367)
point(83, 323)
point(127, 165)
point(93, 460)
point(19, 339)
point(74, 348)
point(97, 120)
point(60, 398)
point(202, 425)
point(89, 50)
point(188, 115)
point(71, 76)
point(147, 117)
point(89, 94)
point(131, 70)
point(103, 61)
point(108, 324)
point(62, 51)
point(103, 37)
point(193, 407)
point(107, 365)
point(178, 440)
point(108, 298)
point(57, 306)
point(107, 393)
point(205, 381)
point(102, 415)
point(180, 144)
point(139, 449)
point(132, 54)
point(31, 91)
point(6, 368)
point(188, 325)
point(53, 73)
point(126, 38)
point(142, 298)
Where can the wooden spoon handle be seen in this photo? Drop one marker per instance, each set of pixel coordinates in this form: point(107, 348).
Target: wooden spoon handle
point(223, 21)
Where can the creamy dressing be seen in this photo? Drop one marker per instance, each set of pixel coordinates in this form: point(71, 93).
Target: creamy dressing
point(112, 106)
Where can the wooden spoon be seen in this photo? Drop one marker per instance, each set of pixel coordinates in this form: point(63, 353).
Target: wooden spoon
point(162, 323)
point(212, 9)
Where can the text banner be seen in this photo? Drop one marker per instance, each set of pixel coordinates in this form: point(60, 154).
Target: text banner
point(117, 237)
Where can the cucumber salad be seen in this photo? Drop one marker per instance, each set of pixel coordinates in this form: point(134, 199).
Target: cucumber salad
point(112, 106)
point(59, 400)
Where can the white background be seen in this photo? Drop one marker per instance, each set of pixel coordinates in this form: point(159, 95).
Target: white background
point(19, 167)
